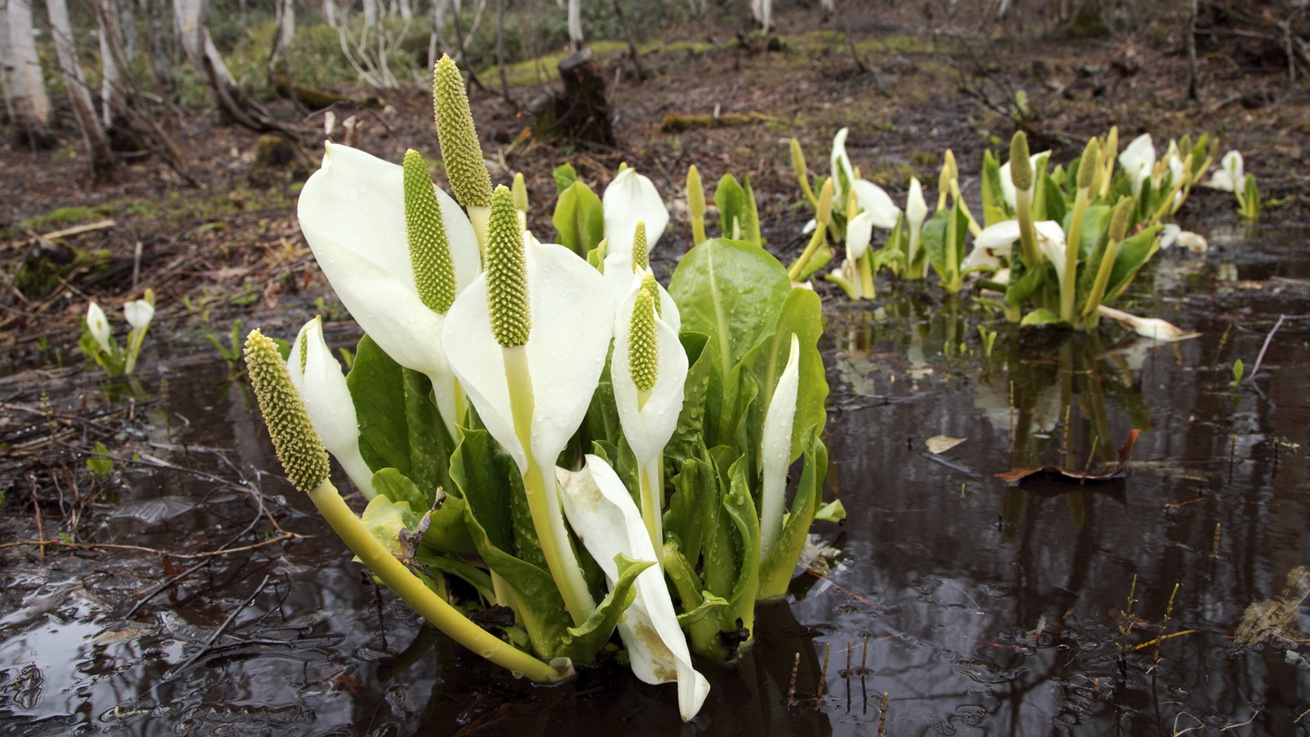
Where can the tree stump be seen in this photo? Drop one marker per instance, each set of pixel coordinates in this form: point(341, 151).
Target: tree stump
point(580, 113)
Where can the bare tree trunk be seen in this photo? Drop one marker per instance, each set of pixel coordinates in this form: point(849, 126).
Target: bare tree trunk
point(1193, 93)
point(406, 8)
point(286, 32)
point(575, 24)
point(330, 13)
point(103, 163)
point(25, 95)
point(204, 56)
point(436, 42)
point(111, 88)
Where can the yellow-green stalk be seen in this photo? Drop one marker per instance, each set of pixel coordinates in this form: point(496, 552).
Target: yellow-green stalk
point(460, 149)
point(974, 227)
point(1109, 155)
point(1118, 229)
point(511, 325)
point(301, 453)
point(1167, 205)
point(823, 217)
point(950, 173)
point(696, 205)
point(802, 173)
point(1021, 174)
point(1069, 283)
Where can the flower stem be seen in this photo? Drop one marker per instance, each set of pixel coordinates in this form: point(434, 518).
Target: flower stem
point(1069, 284)
point(866, 275)
point(408, 587)
point(543, 497)
point(798, 268)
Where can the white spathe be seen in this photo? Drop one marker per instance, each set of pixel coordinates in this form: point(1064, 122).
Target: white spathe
point(98, 324)
point(648, 427)
point(352, 212)
point(868, 196)
point(572, 322)
point(630, 197)
point(997, 242)
point(607, 521)
point(859, 233)
point(1230, 175)
point(138, 313)
point(775, 449)
point(1138, 161)
point(327, 399)
point(916, 208)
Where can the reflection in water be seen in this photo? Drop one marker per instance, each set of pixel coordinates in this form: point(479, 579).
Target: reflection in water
point(977, 607)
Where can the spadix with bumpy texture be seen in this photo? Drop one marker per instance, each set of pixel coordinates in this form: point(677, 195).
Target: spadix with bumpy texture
point(1021, 168)
point(507, 274)
point(643, 356)
point(297, 444)
point(460, 149)
point(640, 250)
point(649, 284)
point(429, 249)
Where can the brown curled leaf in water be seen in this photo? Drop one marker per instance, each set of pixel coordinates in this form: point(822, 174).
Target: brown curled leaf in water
point(1083, 475)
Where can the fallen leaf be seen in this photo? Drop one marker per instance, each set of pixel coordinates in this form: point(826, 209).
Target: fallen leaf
point(1119, 470)
point(940, 444)
point(1275, 619)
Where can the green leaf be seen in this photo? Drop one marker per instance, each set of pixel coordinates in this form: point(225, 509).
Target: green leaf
point(399, 425)
point(585, 640)
point(100, 463)
point(933, 241)
point(386, 519)
point(776, 570)
point(833, 511)
point(564, 176)
point(1040, 317)
point(398, 488)
point(994, 207)
point(731, 292)
point(738, 217)
point(579, 218)
point(487, 478)
point(1056, 205)
point(693, 507)
point(702, 394)
point(1133, 254)
point(801, 315)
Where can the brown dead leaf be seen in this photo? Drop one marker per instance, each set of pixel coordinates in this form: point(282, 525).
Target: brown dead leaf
point(1275, 619)
point(1119, 470)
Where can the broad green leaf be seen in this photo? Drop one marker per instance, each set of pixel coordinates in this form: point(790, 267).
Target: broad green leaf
point(1040, 317)
point(386, 519)
point(1133, 254)
point(740, 509)
point(585, 640)
point(933, 241)
point(487, 480)
point(693, 507)
point(399, 426)
point(802, 315)
point(564, 176)
point(702, 395)
point(457, 566)
point(833, 511)
point(738, 218)
point(994, 207)
point(776, 570)
point(730, 292)
point(1056, 206)
point(579, 218)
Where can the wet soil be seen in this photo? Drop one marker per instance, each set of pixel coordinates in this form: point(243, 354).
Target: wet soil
point(190, 590)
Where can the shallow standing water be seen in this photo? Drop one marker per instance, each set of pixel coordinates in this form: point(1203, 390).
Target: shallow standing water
point(979, 608)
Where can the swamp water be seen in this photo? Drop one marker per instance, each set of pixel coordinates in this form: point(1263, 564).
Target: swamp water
point(979, 608)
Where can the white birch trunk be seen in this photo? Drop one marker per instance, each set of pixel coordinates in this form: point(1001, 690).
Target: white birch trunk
point(575, 23)
point(111, 88)
point(204, 56)
point(25, 95)
point(102, 160)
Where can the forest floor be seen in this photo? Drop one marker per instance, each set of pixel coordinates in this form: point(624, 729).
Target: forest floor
point(228, 247)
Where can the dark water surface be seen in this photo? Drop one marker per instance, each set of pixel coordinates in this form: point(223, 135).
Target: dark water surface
point(979, 608)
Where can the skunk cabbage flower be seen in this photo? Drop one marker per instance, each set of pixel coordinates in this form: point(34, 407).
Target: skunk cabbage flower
point(98, 324)
point(1138, 161)
point(916, 211)
point(997, 242)
point(317, 376)
point(138, 314)
point(1231, 176)
point(775, 449)
point(630, 198)
point(352, 212)
point(607, 521)
point(859, 233)
point(1007, 183)
point(528, 340)
point(648, 370)
point(870, 197)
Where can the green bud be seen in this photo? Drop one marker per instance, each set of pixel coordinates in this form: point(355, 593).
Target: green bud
point(1021, 169)
point(429, 249)
point(824, 214)
point(507, 273)
point(695, 193)
point(640, 251)
point(460, 149)
point(798, 161)
point(1086, 165)
point(294, 437)
point(643, 355)
point(520, 190)
point(648, 284)
point(1119, 220)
